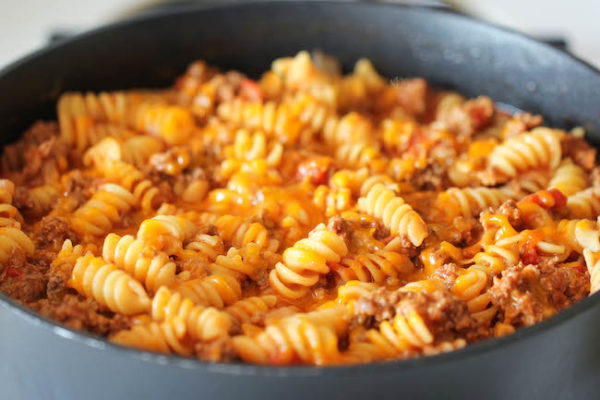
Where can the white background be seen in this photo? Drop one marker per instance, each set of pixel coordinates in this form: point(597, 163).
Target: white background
point(26, 24)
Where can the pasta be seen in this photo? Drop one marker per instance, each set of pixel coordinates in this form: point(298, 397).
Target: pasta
point(201, 323)
point(166, 337)
point(397, 216)
point(540, 148)
point(96, 278)
point(306, 217)
point(375, 267)
point(304, 262)
point(152, 268)
point(308, 337)
point(242, 311)
point(103, 210)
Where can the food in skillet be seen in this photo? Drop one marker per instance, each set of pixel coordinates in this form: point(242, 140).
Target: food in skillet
point(308, 217)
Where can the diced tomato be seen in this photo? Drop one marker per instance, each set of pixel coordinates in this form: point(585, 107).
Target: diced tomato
point(251, 90)
point(479, 115)
point(13, 272)
point(581, 268)
point(560, 199)
point(552, 198)
point(316, 169)
point(530, 254)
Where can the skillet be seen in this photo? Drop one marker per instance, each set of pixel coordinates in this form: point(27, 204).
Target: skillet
point(559, 358)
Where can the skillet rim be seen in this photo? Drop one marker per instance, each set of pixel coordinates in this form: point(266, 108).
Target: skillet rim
point(393, 366)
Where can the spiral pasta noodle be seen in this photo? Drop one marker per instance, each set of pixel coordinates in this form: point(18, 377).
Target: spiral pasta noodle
point(469, 287)
point(592, 260)
point(201, 323)
point(403, 334)
point(375, 267)
point(471, 201)
point(239, 232)
point(304, 337)
point(166, 232)
point(13, 239)
point(104, 282)
point(585, 204)
point(371, 181)
point(350, 292)
point(333, 200)
point(396, 215)
point(539, 148)
point(78, 112)
point(166, 337)
point(269, 117)
point(214, 290)
point(136, 150)
point(100, 213)
point(150, 267)
point(173, 124)
point(9, 215)
point(569, 178)
point(356, 154)
point(209, 246)
point(244, 310)
point(306, 261)
point(254, 147)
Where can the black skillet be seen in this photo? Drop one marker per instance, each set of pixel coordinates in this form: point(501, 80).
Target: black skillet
point(559, 358)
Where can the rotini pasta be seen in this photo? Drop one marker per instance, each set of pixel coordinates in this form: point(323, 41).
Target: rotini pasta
point(539, 148)
point(106, 207)
point(166, 337)
point(398, 216)
point(152, 268)
point(94, 277)
point(307, 217)
point(201, 323)
point(569, 178)
point(306, 261)
point(213, 290)
point(375, 267)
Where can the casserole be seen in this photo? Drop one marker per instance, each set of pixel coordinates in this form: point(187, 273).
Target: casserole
point(556, 358)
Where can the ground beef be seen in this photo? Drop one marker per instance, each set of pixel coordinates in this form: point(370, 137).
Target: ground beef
point(527, 294)
point(595, 176)
point(447, 273)
point(22, 280)
point(77, 187)
point(80, 313)
point(446, 316)
point(231, 86)
point(579, 150)
point(433, 177)
point(520, 123)
point(509, 208)
point(480, 111)
point(468, 118)
point(12, 160)
point(22, 200)
point(340, 226)
point(462, 232)
point(412, 95)
point(564, 285)
point(58, 278)
point(43, 163)
point(51, 232)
